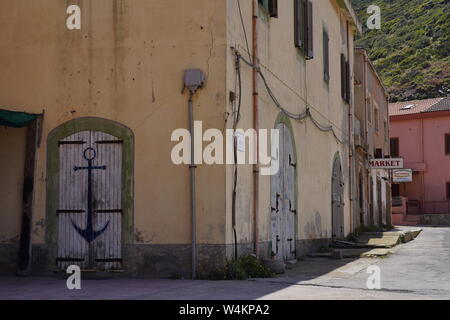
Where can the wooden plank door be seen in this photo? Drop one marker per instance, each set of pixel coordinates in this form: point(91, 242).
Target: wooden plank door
point(90, 205)
point(290, 205)
point(283, 205)
point(337, 186)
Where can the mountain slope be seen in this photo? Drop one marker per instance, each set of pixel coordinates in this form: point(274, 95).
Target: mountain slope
point(411, 52)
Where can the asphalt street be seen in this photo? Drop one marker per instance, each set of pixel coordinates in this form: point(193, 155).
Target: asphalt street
point(419, 269)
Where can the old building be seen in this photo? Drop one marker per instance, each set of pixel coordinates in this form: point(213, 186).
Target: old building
point(420, 134)
point(371, 142)
point(104, 99)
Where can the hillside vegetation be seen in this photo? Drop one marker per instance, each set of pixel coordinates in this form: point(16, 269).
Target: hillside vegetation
point(411, 52)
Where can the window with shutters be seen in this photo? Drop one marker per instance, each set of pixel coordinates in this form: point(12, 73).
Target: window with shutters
point(303, 27)
point(447, 144)
point(345, 81)
point(326, 56)
point(309, 52)
point(395, 147)
point(271, 6)
point(299, 23)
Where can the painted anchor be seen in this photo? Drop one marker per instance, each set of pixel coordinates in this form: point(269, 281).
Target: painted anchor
point(89, 234)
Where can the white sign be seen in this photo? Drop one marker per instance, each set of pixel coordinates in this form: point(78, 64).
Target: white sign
point(402, 175)
point(386, 163)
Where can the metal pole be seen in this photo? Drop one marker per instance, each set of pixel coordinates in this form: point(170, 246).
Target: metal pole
point(192, 167)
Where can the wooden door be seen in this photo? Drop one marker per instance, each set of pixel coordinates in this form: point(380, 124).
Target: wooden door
point(90, 201)
point(283, 204)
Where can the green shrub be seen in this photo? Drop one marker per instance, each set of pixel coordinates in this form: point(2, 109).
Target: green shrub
point(246, 266)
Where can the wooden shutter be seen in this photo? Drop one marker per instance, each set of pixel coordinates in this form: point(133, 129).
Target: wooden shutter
point(394, 147)
point(348, 85)
point(273, 8)
point(447, 144)
point(309, 52)
point(326, 56)
point(298, 23)
point(343, 77)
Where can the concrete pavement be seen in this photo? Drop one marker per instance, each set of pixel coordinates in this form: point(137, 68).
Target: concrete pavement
point(416, 270)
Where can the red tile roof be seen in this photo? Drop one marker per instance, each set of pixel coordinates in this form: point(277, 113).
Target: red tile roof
point(418, 106)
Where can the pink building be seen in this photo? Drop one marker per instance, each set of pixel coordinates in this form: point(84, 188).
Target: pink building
point(420, 134)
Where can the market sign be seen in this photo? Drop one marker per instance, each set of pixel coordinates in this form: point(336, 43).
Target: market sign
point(402, 175)
point(386, 163)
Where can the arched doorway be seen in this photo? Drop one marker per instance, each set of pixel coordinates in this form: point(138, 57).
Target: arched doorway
point(284, 198)
point(337, 201)
point(89, 193)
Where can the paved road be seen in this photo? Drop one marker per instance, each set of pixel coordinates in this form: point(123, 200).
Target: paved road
point(417, 270)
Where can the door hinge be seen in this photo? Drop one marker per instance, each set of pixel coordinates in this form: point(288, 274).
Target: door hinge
point(291, 209)
point(292, 164)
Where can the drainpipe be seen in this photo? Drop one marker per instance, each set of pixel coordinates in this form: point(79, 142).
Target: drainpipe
point(192, 168)
point(350, 136)
point(255, 8)
point(193, 80)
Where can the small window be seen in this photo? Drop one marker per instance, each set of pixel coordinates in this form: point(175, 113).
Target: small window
point(309, 52)
point(326, 56)
point(447, 144)
point(271, 6)
point(378, 153)
point(395, 148)
point(369, 109)
point(299, 23)
point(303, 27)
point(448, 190)
point(345, 79)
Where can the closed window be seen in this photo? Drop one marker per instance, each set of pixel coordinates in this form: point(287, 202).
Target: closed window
point(326, 56)
point(395, 148)
point(447, 144)
point(345, 79)
point(303, 27)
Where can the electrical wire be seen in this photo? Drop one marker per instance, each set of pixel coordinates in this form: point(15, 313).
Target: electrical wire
point(298, 116)
point(245, 31)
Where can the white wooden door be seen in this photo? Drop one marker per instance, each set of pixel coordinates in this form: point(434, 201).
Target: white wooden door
point(337, 201)
point(283, 204)
point(90, 205)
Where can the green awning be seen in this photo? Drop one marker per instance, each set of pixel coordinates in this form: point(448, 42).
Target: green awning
point(16, 119)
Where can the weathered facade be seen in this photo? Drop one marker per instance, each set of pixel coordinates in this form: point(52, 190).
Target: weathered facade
point(106, 194)
point(371, 142)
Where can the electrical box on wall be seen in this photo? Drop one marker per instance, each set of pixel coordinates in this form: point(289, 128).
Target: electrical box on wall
point(194, 79)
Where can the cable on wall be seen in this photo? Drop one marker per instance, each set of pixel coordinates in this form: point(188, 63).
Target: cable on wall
point(295, 116)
